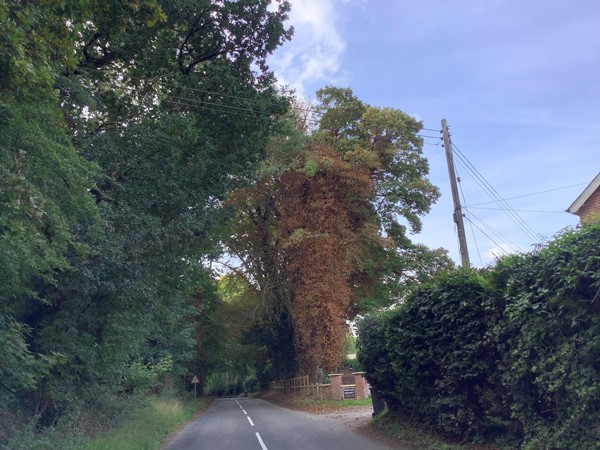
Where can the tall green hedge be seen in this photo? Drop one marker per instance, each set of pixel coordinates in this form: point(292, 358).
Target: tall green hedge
point(511, 352)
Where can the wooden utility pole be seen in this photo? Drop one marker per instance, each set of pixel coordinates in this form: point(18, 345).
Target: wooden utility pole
point(458, 217)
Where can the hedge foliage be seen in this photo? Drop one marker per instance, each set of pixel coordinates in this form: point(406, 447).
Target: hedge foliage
point(509, 353)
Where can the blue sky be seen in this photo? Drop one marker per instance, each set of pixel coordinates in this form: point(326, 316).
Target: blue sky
point(518, 82)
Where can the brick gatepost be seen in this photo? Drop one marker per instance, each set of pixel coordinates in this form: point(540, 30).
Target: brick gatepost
point(336, 385)
point(362, 389)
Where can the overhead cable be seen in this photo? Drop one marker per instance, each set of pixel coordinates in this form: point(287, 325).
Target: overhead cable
point(533, 193)
point(519, 210)
point(470, 224)
point(494, 195)
point(495, 232)
point(486, 235)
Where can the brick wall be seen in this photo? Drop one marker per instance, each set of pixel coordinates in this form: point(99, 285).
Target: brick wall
point(590, 210)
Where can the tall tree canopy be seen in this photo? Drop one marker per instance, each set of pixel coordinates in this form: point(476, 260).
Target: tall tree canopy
point(322, 234)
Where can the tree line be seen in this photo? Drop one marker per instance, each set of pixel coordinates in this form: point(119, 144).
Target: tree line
point(116, 155)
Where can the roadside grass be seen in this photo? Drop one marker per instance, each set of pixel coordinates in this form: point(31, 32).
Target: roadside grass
point(313, 405)
point(149, 426)
point(400, 430)
point(330, 403)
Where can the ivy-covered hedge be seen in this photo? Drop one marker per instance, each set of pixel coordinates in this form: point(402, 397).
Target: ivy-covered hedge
point(512, 352)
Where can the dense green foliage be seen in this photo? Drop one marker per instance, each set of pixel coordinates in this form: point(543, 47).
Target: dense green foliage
point(549, 338)
point(148, 425)
point(142, 421)
point(511, 352)
point(124, 125)
point(437, 340)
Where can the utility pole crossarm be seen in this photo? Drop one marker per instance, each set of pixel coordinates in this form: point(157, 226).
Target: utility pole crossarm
point(458, 217)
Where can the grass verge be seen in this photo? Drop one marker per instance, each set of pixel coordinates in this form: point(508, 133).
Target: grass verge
point(311, 405)
point(325, 405)
point(149, 426)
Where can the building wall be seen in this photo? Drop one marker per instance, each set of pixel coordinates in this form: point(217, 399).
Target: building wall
point(590, 210)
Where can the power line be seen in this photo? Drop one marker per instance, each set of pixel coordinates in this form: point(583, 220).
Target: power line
point(494, 195)
point(511, 215)
point(195, 105)
point(486, 235)
point(426, 136)
point(494, 231)
point(529, 195)
point(519, 210)
point(219, 105)
point(489, 188)
point(203, 91)
point(470, 224)
point(220, 109)
point(313, 110)
point(151, 81)
point(207, 105)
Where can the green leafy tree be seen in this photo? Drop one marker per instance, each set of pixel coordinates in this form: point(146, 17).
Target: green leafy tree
point(124, 125)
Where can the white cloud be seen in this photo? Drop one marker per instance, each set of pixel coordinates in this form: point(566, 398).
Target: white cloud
point(313, 55)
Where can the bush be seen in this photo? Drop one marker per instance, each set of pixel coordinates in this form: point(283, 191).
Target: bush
point(439, 353)
point(374, 357)
point(549, 338)
point(512, 351)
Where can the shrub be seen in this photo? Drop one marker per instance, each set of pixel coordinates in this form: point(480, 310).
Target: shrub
point(549, 339)
point(374, 357)
point(513, 351)
point(440, 355)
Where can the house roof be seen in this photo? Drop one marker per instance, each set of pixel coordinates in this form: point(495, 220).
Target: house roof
point(587, 192)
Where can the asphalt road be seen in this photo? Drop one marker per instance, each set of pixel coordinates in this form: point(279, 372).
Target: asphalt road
point(253, 424)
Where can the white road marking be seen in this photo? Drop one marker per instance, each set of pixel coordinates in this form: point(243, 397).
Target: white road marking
point(241, 407)
point(260, 441)
point(245, 411)
point(250, 420)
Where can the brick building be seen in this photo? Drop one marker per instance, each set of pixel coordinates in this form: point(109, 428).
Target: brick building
point(587, 205)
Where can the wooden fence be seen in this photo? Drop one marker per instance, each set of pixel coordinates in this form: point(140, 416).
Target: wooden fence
point(300, 387)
